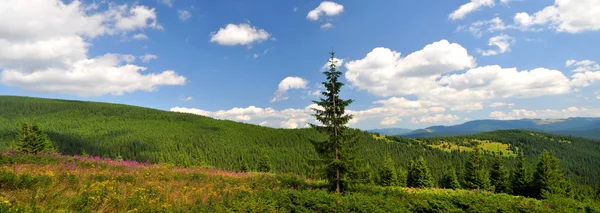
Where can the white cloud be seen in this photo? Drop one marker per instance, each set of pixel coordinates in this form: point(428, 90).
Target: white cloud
point(470, 7)
point(326, 8)
point(287, 118)
point(184, 15)
point(314, 93)
point(501, 104)
point(383, 72)
point(135, 18)
point(241, 34)
point(547, 113)
point(147, 57)
point(583, 66)
point(295, 9)
point(388, 121)
point(189, 98)
point(337, 61)
point(597, 93)
point(287, 84)
point(492, 25)
point(44, 48)
point(586, 72)
point(496, 82)
point(467, 107)
point(564, 16)
point(437, 118)
point(255, 56)
point(393, 109)
point(513, 115)
point(140, 36)
point(326, 26)
point(166, 2)
point(430, 75)
point(92, 77)
point(503, 43)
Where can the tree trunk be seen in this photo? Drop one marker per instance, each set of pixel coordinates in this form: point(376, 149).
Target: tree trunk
point(337, 148)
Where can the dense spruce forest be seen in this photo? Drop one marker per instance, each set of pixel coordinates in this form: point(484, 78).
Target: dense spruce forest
point(155, 136)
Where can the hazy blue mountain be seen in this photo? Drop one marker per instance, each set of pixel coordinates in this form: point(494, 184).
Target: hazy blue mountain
point(576, 126)
point(391, 131)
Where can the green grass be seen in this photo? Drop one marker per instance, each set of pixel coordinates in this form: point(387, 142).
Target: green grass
point(56, 183)
point(483, 144)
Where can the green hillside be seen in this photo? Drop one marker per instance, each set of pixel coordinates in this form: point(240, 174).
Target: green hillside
point(142, 134)
point(156, 136)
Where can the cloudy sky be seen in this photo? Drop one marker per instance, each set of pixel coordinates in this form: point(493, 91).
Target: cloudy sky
point(406, 64)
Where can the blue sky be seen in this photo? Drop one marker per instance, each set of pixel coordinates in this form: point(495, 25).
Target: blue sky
point(407, 64)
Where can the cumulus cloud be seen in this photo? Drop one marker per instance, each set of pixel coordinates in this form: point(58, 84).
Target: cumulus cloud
point(189, 98)
point(437, 118)
point(326, 26)
point(386, 112)
point(394, 108)
point(140, 36)
point(496, 82)
point(547, 113)
point(326, 8)
point(92, 77)
point(502, 42)
point(184, 15)
point(337, 61)
point(388, 121)
point(287, 118)
point(470, 7)
point(467, 107)
point(501, 104)
point(564, 16)
point(44, 48)
point(382, 70)
point(147, 57)
point(430, 74)
point(241, 34)
point(493, 25)
point(287, 84)
point(314, 93)
point(586, 72)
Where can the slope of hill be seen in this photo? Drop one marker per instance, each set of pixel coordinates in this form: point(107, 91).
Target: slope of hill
point(155, 136)
point(578, 156)
point(577, 126)
point(55, 183)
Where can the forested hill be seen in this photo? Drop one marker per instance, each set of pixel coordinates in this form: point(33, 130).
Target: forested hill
point(143, 134)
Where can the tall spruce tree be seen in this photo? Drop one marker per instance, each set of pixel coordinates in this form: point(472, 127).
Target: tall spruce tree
point(264, 165)
point(450, 180)
point(337, 152)
point(419, 174)
point(548, 178)
point(33, 140)
point(498, 175)
point(476, 176)
point(520, 179)
point(401, 177)
point(388, 176)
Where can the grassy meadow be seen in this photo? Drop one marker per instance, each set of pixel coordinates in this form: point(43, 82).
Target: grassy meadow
point(51, 182)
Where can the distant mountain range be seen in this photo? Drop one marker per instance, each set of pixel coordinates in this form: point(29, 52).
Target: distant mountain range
point(392, 131)
point(575, 126)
